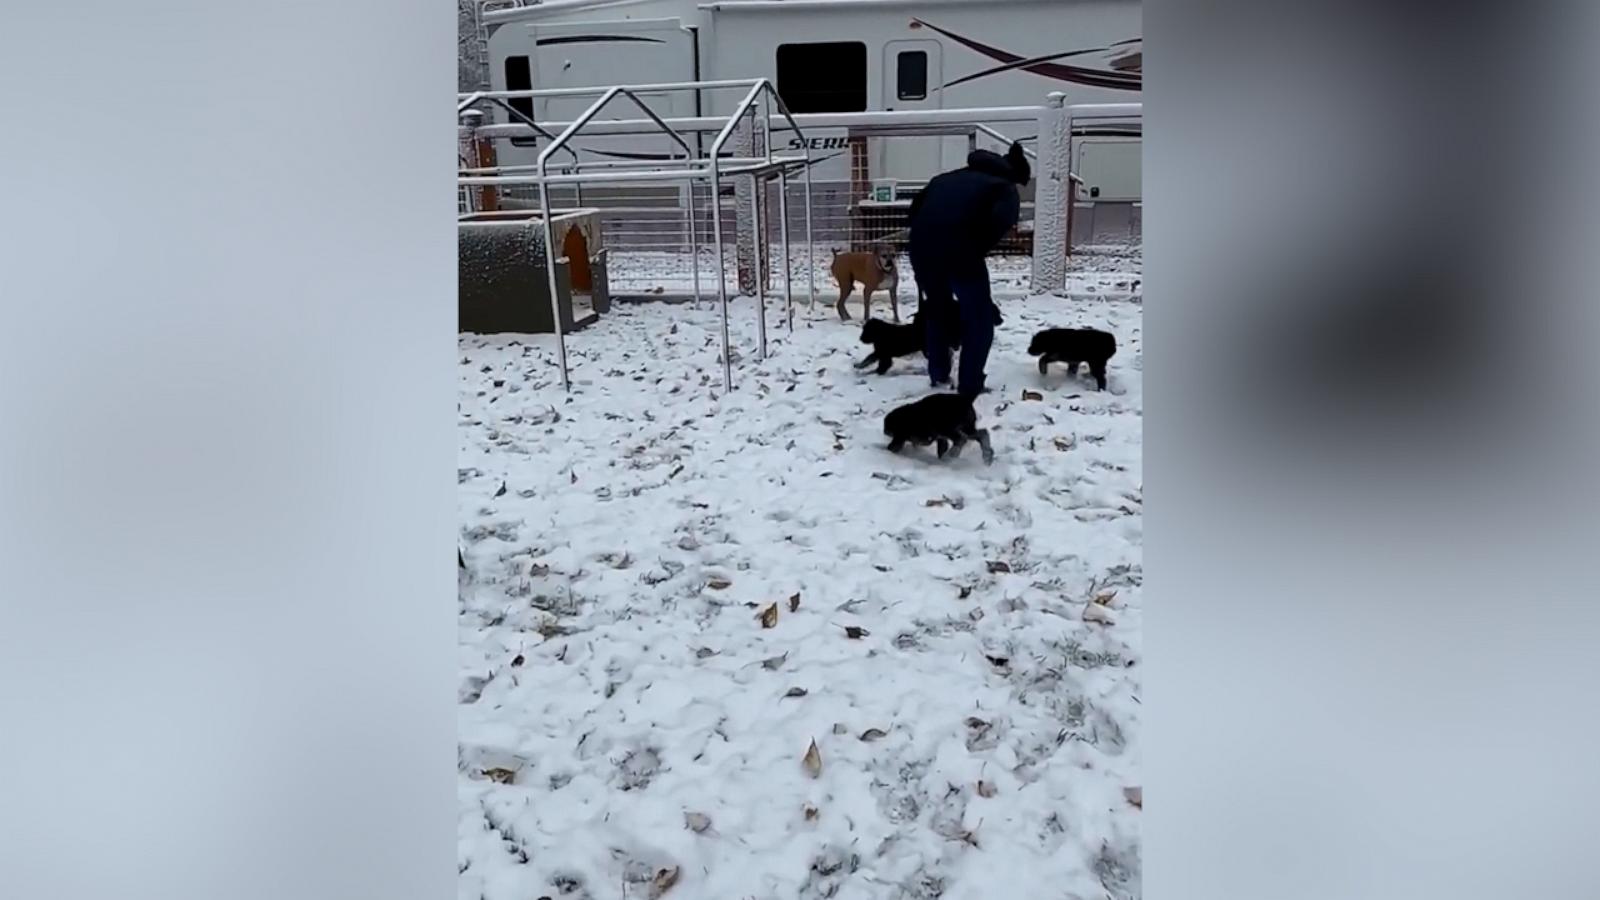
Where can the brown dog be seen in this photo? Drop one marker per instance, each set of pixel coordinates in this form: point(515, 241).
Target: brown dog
point(871, 269)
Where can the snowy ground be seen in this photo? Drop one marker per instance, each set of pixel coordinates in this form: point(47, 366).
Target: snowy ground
point(629, 727)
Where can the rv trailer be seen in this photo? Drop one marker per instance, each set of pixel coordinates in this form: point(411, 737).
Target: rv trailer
point(833, 56)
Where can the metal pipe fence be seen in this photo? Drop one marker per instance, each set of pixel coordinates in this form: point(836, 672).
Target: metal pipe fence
point(680, 223)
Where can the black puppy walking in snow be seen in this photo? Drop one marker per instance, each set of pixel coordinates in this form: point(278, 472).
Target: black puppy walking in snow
point(889, 341)
point(1073, 346)
point(947, 420)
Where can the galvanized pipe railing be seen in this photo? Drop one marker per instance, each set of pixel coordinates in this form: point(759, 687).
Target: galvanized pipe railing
point(716, 225)
point(800, 121)
point(690, 169)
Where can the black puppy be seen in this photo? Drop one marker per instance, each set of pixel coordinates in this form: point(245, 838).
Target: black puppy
point(1073, 346)
point(947, 420)
point(889, 340)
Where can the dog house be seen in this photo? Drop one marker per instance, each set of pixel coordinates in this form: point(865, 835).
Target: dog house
point(504, 285)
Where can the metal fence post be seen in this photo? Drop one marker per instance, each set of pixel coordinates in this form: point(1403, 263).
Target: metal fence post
point(748, 143)
point(467, 156)
point(1052, 197)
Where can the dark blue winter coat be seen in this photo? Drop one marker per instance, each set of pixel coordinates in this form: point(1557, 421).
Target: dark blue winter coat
point(961, 215)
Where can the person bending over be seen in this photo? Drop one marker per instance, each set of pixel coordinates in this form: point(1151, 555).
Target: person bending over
point(955, 221)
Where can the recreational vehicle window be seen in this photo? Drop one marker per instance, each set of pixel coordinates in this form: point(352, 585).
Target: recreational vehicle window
point(519, 77)
point(823, 78)
point(911, 75)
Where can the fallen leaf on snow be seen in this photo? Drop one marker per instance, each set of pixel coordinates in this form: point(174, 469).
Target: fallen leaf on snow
point(986, 789)
point(769, 616)
point(1104, 598)
point(855, 633)
point(704, 652)
point(794, 602)
point(795, 692)
point(1135, 796)
point(999, 566)
point(663, 881)
point(719, 584)
point(503, 776)
point(810, 812)
point(1032, 395)
point(999, 662)
point(772, 664)
point(873, 734)
point(696, 822)
point(517, 660)
point(813, 761)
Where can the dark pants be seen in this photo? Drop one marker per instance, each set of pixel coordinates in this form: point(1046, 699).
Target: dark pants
point(956, 302)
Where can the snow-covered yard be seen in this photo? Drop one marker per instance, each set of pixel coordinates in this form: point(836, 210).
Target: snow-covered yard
point(959, 642)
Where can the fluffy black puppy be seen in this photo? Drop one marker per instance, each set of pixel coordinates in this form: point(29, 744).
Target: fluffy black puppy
point(1073, 346)
point(889, 340)
point(947, 420)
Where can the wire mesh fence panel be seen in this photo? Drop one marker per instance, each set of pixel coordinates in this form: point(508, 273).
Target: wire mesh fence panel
point(1107, 222)
point(860, 209)
point(647, 232)
point(650, 244)
point(860, 212)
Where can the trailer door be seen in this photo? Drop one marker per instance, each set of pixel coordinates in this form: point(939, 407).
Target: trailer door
point(912, 75)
